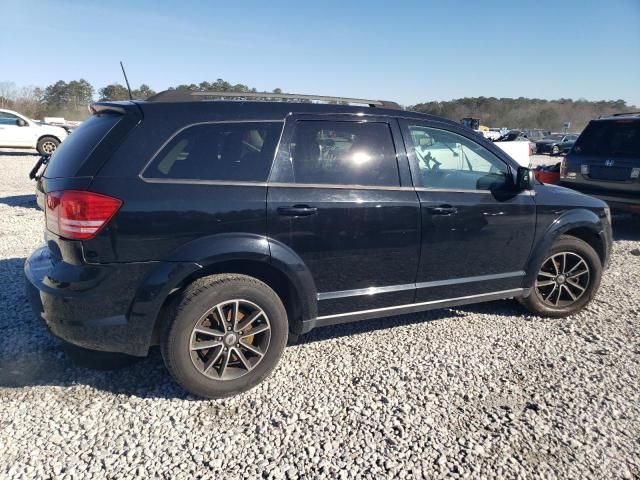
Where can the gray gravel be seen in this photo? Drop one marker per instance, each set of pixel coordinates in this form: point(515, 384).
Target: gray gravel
point(480, 391)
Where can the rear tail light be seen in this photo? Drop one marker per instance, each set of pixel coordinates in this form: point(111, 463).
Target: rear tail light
point(584, 169)
point(79, 215)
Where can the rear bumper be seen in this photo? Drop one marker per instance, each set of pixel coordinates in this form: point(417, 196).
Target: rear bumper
point(627, 202)
point(89, 305)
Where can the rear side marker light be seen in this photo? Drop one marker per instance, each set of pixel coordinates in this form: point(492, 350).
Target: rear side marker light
point(584, 169)
point(79, 215)
point(635, 173)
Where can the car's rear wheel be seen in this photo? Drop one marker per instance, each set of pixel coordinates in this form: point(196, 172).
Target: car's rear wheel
point(47, 145)
point(567, 280)
point(226, 335)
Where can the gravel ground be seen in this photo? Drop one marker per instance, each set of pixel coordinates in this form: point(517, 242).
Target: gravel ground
point(482, 391)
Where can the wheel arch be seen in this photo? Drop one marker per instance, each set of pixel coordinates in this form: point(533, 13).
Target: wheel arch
point(45, 135)
point(580, 223)
point(246, 254)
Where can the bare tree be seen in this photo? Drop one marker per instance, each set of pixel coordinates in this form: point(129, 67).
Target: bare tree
point(7, 94)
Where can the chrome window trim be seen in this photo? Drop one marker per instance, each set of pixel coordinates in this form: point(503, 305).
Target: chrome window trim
point(507, 293)
point(461, 190)
point(187, 181)
point(310, 185)
point(337, 186)
point(408, 286)
point(195, 181)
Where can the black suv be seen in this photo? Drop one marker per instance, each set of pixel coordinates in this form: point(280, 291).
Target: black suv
point(605, 162)
point(218, 228)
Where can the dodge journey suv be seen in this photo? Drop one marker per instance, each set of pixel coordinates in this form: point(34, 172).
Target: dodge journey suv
point(217, 225)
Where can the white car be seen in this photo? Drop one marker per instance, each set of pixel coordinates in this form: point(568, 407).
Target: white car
point(18, 131)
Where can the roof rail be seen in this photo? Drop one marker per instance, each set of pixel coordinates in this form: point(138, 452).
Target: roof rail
point(624, 113)
point(191, 96)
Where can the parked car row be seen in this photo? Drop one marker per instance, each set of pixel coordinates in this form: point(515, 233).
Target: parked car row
point(556, 143)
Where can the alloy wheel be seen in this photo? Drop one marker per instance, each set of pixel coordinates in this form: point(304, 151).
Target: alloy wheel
point(230, 339)
point(563, 279)
point(49, 147)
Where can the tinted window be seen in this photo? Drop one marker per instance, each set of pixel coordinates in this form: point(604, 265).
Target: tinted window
point(620, 138)
point(8, 119)
point(219, 151)
point(71, 154)
point(450, 161)
point(344, 153)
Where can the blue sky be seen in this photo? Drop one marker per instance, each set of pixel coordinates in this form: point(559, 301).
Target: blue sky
point(408, 51)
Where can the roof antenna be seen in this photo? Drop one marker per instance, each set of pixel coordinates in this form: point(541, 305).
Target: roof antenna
point(126, 80)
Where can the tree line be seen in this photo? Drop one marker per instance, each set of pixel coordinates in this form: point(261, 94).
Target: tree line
point(525, 112)
point(70, 100)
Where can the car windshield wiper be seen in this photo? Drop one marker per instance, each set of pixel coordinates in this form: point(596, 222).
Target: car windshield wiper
point(43, 160)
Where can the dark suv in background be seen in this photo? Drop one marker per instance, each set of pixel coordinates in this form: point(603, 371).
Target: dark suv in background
point(217, 229)
point(605, 162)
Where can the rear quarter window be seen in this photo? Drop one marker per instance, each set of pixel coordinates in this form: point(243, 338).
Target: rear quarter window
point(77, 147)
point(241, 152)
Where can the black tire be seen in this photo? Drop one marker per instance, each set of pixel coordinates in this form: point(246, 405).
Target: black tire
point(536, 303)
point(555, 150)
point(47, 145)
point(194, 306)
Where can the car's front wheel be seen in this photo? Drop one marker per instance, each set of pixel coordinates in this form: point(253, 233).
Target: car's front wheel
point(225, 335)
point(555, 150)
point(47, 145)
point(567, 280)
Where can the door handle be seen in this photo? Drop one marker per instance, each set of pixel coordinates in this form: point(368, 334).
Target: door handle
point(443, 210)
point(297, 211)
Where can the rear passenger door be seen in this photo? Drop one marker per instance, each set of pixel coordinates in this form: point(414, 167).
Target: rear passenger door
point(340, 196)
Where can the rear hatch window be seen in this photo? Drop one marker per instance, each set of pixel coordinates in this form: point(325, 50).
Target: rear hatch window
point(74, 151)
point(616, 138)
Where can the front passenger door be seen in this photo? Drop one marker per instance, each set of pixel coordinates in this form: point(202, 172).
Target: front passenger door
point(477, 231)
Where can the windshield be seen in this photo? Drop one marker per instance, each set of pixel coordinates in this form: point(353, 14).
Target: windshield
point(554, 137)
point(71, 154)
point(620, 138)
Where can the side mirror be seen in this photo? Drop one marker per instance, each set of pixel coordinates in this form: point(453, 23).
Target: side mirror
point(21, 123)
point(523, 179)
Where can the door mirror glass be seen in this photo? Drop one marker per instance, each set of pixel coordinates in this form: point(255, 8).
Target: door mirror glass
point(523, 179)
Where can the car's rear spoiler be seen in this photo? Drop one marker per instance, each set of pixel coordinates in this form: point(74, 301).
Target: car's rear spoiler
point(121, 108)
